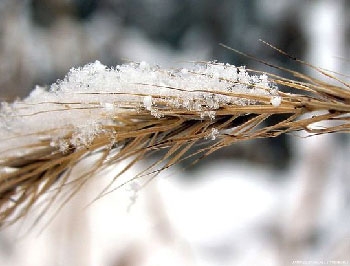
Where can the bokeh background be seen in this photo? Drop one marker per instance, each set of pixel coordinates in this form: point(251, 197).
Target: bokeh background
point(282, 201)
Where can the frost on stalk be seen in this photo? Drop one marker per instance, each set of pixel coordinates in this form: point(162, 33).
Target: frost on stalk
point(73, 111)
point(276, 101)
point(214, 133)
point(147, 101)
point(85, 134)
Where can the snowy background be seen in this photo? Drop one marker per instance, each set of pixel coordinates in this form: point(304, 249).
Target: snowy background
point(264, 202)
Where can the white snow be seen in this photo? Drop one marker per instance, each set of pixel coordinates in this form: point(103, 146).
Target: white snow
point(87, 99)
point(276, 101)
point(214, 133)
point(147, 101)
point(184, 71)
point(144, 65)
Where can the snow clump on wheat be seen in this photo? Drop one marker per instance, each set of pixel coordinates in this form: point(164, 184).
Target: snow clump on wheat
point(84, 104)
point(126, 113)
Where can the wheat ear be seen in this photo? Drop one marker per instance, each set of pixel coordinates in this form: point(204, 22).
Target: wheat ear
point(136, 109)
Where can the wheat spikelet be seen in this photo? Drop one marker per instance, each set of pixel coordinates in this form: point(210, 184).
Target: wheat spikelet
point(137, 109)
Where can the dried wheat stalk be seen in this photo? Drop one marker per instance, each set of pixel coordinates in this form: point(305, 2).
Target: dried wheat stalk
point(137, 109)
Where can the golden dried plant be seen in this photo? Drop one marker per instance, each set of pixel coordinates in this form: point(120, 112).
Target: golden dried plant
point(145, 116)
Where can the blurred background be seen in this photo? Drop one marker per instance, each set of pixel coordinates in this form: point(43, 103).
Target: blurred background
point(282, 201)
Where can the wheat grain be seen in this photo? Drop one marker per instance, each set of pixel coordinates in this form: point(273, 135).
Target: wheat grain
point(137, 109)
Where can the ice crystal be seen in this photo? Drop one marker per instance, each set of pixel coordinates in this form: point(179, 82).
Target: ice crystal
point(147, 102)
point(85, 134)
point(214, 133)
point(276, 101)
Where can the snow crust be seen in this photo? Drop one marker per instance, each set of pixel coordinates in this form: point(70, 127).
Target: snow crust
point(88, 98)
